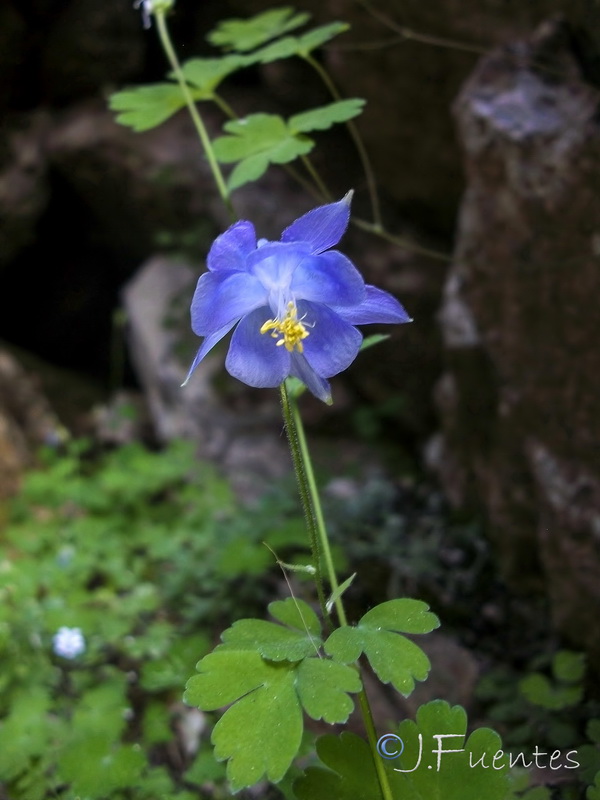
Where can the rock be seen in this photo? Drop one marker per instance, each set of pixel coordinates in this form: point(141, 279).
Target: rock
point(519, 401)
point(243, 437)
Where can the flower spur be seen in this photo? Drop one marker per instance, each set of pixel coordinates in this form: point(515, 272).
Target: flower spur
point(294, 303)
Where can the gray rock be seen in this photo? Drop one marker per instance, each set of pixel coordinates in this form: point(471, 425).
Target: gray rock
point(519, 402)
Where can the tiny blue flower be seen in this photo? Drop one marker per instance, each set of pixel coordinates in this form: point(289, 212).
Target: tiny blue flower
point(68, 642)
point(293, 303)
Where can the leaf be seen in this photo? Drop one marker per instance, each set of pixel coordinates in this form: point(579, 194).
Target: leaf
point(246, 34)
point(568, 666)
point(257, 141)
point(479, 768)
point(322, 687)
point(394, 658)
point(261, 732)
point(371, 341)
point(277, 643)
point(298, 45)
point(593, 792)
point(319, 119)
point(350, 775)
point(95, 768)
point(339, 591)
point(146, 107)
point(205, 74)
point(538, 689)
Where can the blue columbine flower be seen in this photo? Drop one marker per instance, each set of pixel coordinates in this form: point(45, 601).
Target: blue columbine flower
point(295, 302)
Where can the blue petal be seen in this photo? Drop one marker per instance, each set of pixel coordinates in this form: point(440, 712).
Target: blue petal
point(222, 298)
point(322, 227)
point(329, 278)
point(274, 265)
point(332, 343)
point(231, 249)
point(318, 386)
point(207, 346)
point(254, 357)
point(379, 306)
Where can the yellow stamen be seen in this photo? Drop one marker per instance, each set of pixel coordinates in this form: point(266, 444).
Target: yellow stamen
point(290, 328)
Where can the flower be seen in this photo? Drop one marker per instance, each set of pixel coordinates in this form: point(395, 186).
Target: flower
point(68, 642)
point(293, 303)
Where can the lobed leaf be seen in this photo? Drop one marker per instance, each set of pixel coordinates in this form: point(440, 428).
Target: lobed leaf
point(319, 119)
point(205, 74)
point(350, 773)
point(394, 658)
point(262, 730)
point(146, 107)
point(257, 141)
point(300, 46)
point(247, 34)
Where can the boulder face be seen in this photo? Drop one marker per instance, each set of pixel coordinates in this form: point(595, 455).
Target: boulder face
point(519, 398)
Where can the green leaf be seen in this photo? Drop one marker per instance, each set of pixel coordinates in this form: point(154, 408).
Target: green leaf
point(146, 107)
point(592, 730)
point(205, 74)
point(371, 341)
point(298, 45)
point(593, 792)
point(394, 658)
point(538, 689)
point(339, 591)
point(95, 768)
point(319, 119)
point(257, 141)
point(301, 639)
point(261, 732)
point(246, 34)
point(322, 687)
point(568, 666)
point(350, 773)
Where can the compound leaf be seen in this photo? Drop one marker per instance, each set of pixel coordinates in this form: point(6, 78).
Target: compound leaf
point(394, 658)
point(146, 107)
point(246, 34)
point(319, 119)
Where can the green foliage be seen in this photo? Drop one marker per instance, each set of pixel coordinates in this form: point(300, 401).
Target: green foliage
point(593, 792)
point(259, 140)
point(145, 107)
point(269, 674)
point(394, 658)
point(349, 773)
point(138, 550)
point(247, 34)
point(301, 46)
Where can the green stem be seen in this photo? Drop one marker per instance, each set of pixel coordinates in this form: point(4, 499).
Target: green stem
point(305, 491)
point(167, 45)
point(356, 138)
point(380, 231)
point(317, 179)
point(301, 457)
point(317, 509)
